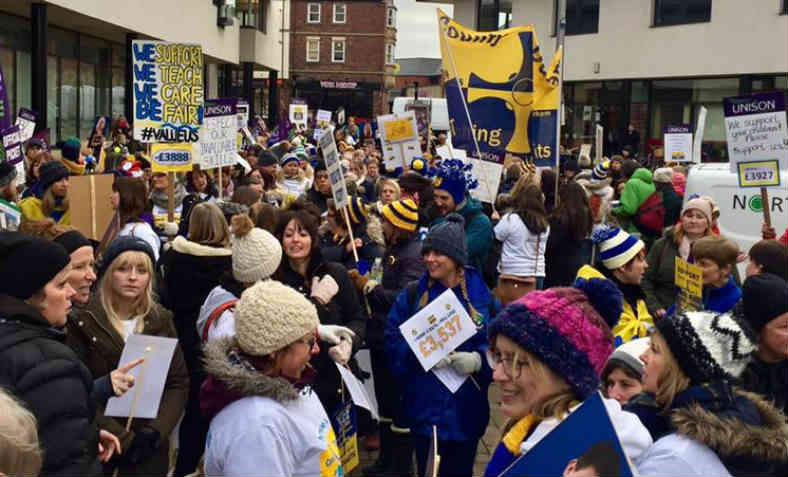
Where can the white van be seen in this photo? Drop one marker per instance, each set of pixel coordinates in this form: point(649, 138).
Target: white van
point(439, 117)
point(741, 213)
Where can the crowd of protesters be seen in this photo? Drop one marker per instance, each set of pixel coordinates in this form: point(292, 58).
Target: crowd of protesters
point(268, 285)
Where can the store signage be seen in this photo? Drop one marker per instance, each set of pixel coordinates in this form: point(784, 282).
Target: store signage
point(339, 84)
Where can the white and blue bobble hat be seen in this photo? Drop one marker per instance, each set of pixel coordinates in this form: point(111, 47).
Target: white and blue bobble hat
point(616, 247)
point(600, 171)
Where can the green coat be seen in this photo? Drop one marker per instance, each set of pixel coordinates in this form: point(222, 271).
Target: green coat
point(636, 191)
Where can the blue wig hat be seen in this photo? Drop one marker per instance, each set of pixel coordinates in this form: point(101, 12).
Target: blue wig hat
point(454, 176)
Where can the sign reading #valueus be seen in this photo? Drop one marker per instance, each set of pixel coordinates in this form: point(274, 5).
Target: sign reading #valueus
point(218, 135)
point(756, 129)
point(168, 91)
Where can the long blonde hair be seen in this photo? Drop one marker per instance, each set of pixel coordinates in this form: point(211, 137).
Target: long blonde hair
point(671, 379)
point(145, 301)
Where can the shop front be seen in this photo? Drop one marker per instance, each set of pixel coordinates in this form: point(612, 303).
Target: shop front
point(357, 97)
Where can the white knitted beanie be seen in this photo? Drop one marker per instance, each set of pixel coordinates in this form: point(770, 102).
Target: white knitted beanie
point(256, 253)
point(270, 316)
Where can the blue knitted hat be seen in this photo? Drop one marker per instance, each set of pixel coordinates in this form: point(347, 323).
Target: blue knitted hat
point(600, 171)
point(616, 247)
point(448, 238)
point(454, 176)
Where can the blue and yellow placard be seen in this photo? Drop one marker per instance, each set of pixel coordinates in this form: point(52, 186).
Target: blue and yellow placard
point(759, 173)
point(171, 157)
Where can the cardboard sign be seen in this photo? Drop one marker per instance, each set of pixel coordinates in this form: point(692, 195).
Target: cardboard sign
point(171, 157)
point(399, 127)
point(438, 329)
point(94, 193)
point(678, 143)
point(587, 431)
point(689, 279)
point(756, 129)
point(142, 400)
point(759, 173)
point(358, 393)
point(168, 91)
point(217, 146)
point(334, 169)
point(298, 114)
point(344, 424)
point(698, 141)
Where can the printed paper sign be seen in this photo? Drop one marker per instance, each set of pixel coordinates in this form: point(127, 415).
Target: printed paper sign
point(395, 155)
point(323, 118)
point(755, 127)
point(689, 279)
point(759, 173)
point(334, 169)
point(585, 443)
point(399, 127)
point(149, 377)
point(242, 111)
point(26, 121)
point(10, 216)
point(344, 423)
point(438, 329)
point(358, 392)
point(171, 157)
point(217, 146)
point(298, 115)
point(678, 143)
point(168, 91)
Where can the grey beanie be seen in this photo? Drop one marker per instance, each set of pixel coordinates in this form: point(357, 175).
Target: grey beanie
point(448, 238)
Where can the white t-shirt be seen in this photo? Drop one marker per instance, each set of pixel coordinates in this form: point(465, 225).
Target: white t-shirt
point(259, 436)
point(522, 253)
point(144, 231)
point(128, 327)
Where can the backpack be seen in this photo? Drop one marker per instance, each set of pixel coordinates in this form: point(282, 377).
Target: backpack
point(489, 268)
point(650, 216)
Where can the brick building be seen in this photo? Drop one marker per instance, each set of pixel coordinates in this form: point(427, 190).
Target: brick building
point(424, 72)
point(342, 54)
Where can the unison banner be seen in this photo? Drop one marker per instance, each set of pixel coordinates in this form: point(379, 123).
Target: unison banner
point(168, 91)
point(512, 97)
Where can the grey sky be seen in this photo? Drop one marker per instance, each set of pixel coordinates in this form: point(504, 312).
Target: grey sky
point(417, 28)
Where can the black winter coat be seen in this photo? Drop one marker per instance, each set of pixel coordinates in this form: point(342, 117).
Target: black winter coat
point(770, 380)
point(563, 256)
point(344, 310)
point(190, 271)
point(316, 198)
point(402, 264)
point(334, 250)
point(44, 373)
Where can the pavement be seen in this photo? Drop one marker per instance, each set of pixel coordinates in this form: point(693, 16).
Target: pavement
point(486, 445)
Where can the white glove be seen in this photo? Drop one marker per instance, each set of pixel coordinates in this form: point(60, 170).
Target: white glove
point(466, 363)
point(170, 229)
point(333, 334)
point(443, 363)
point(341, 353)
point(369, 286)
point(324, 289)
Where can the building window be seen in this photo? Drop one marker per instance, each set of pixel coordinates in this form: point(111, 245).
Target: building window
point(582, 16)
point(391, 18)
point(252, 13)
point(493, 15)
point(785, 7)
point(340, 13)
point(312, 49)
point(390, 53)
point(678, 12)
point(338, 50)
point(313, 13)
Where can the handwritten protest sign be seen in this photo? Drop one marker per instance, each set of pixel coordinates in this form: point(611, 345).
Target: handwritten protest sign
point(689, 279)
point(149, 378)
point(678, 143)
point(586, 436)
point(755, 127)
point(334, 169)
point(438, 329)
point(168, 91)
point(217, 146)
point(171, 157)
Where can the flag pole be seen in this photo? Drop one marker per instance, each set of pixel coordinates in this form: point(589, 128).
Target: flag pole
point(560, 34)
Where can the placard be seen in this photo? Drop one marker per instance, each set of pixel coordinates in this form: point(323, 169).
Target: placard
point(678, 143)
point(344, 423)
point(26, 121)
point(323, 118)
point(93, 193)
point(488, 173)
point(586, 435)
point(298, 114)
point(689, 280)
point(12, 145)
point(698, 141)
point(394, 155)
point(217, 146)
point(759, 173)
point(399, 127)
point(150, 377)
point(171, 157)
point(358, 393)
point(242, 111)
point(585, 151)
point(10, 216)
point(334, 169)
point(756, 129)
point(438, 329)
point(168, 91)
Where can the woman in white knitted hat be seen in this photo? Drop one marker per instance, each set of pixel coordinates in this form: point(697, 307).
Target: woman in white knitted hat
point(264, 419)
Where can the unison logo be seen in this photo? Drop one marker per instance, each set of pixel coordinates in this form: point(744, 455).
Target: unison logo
point(754, 107)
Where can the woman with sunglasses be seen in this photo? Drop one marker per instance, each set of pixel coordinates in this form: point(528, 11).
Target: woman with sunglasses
point(264, 419)
point(461, 417)
point(547, 350)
